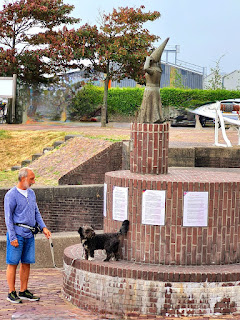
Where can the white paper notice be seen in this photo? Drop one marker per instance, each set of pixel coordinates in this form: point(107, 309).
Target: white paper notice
point(105, 200)
point(195, 209)
point(120, 203)
point(153, 207)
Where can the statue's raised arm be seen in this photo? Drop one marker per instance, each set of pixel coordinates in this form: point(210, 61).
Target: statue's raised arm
point(151, 107)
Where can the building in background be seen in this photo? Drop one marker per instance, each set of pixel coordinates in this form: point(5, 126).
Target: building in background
point(231, 81)
point(213, 81)
point(188, 75)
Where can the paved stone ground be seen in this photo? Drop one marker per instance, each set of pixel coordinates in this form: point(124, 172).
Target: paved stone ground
point(47, 283)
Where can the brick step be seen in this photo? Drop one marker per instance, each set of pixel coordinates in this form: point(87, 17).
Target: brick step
point(131, 289)
point(151, 272)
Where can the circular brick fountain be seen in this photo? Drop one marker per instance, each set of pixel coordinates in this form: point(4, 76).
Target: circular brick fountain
point(168, 269)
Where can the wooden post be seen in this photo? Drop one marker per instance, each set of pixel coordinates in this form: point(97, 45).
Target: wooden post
point(14, 95)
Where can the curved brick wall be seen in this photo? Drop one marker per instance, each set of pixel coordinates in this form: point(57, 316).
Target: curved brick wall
point(218, 243)
point(130, 289)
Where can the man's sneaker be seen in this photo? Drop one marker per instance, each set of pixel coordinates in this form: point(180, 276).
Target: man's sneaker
point(27, 295)
point(13, 297)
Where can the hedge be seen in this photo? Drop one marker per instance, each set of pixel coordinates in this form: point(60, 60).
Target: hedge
point(125, 101)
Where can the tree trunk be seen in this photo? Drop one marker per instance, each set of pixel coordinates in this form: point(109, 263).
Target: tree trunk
point(35, 102)
point(105, 96)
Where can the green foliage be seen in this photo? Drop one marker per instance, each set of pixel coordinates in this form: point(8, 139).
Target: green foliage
point(19, 40)
point(193, 97)
point(121, 41)
point(215, 83)
point(124, 41)
point(4, 134)
point(86, 101)
point(125, 101)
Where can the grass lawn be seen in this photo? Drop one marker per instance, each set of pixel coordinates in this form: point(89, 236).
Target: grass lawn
point(16, 146)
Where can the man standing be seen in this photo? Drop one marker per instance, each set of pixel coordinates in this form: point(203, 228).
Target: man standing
point(20, 207)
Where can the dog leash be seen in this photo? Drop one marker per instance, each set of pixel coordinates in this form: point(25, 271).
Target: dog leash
point(35, 230)
point(52, 253)
point(53, 259)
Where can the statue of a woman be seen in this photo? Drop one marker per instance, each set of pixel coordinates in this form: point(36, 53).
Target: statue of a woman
point(151, 107)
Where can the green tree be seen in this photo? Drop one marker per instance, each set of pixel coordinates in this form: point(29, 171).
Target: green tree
point(20, 49)
point(117, 48)
point(177, 80)
point(124, 44)
point(215, 81)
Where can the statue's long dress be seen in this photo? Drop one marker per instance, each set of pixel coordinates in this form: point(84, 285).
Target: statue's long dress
point(151, 107)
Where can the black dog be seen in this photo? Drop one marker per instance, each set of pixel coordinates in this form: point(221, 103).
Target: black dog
point(107, 241)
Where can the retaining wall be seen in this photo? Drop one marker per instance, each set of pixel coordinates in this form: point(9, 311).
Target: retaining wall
point(65, 208)
point(93, 170)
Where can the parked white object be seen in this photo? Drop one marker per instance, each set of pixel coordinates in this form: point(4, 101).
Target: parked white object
point(225, 111)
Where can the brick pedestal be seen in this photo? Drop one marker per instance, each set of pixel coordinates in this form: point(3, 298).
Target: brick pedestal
point(149, 148)
point(166, 269)
point(217, 243)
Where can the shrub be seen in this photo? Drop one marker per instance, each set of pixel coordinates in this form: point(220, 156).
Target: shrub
point(86, 101)
point(125, 101)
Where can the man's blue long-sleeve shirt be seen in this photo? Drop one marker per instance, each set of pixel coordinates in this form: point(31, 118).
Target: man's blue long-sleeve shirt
point(19, 209)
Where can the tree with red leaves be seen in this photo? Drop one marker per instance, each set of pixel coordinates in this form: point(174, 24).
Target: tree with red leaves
point(118, 49)
point(22, 50)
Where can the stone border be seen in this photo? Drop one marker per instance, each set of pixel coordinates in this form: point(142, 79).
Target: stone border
point(140, 271)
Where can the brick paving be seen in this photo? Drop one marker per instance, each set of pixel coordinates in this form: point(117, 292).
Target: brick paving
point(46, 283)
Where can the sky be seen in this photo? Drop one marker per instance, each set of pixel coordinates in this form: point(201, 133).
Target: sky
point(205, 30)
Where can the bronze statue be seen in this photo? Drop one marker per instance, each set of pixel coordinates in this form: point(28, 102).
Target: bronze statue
point(151, 107)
